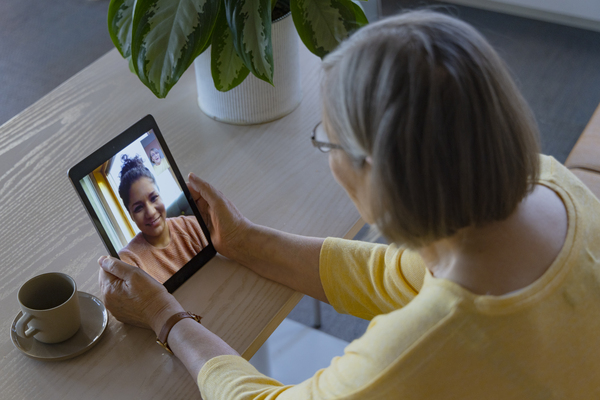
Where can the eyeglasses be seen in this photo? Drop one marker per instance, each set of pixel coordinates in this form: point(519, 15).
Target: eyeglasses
point(320, 141)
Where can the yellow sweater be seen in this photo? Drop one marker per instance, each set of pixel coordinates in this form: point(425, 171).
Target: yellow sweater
point(540, 342)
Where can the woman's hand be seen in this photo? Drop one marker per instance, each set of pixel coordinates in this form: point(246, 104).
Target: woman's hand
point(133, 296)
point(264, 250)
point(228, 227)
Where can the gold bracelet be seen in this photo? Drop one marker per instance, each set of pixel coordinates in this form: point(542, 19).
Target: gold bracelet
point(175, 318)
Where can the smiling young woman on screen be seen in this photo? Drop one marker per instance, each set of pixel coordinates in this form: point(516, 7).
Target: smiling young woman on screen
point(164, 245)
point(490, 289)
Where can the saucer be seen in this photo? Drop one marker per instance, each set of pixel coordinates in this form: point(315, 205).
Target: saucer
point(94, 319)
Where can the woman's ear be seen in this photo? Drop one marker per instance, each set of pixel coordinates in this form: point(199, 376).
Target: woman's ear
point(369, 161)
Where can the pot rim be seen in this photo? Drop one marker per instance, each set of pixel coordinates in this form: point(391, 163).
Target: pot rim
point(282, 17)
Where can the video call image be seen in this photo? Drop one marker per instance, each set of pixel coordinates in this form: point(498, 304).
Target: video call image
point(143, 209)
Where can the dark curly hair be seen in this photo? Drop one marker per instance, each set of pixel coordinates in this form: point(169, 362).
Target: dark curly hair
point(132, 170)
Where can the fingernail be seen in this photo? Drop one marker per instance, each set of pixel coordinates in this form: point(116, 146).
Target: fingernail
point(193, 184)
point(101, 259)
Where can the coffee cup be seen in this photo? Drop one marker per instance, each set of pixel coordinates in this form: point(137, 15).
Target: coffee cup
point(50, 307)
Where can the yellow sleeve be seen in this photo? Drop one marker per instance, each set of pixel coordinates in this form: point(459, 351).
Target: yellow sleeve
point(366, 279)
point(234, 378)
point(363, 279)
point(374, 366)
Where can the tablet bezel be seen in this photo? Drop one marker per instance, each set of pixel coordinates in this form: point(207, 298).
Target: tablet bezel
point(109, 150)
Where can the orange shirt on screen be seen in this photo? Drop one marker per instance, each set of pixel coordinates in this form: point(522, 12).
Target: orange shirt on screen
point(187, 239)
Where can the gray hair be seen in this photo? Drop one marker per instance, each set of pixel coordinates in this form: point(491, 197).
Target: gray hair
point(453, 143)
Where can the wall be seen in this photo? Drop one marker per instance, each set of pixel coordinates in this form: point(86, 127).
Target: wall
point(579, 13)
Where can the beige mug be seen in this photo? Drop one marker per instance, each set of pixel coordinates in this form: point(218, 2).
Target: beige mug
point(50, 306)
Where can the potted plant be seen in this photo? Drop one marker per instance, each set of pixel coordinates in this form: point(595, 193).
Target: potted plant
point(161, 38)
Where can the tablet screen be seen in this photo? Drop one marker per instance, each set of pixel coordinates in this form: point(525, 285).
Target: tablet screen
point(141, 207)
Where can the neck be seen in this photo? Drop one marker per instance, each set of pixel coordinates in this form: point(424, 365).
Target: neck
point(503, 256)
point(163, 240)
point(471, 259)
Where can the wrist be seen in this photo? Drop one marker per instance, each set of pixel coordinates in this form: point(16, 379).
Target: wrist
point(170, 326)
point(161, 317)
point(241, 247)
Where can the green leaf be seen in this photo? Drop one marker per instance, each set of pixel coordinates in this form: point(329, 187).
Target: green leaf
point(250, 24)
point(120, 18)
point(130, 64)
point(167, 35)
point(228, 69)
point(323, 24)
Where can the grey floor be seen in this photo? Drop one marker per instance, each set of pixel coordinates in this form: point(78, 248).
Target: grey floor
point(43, 43)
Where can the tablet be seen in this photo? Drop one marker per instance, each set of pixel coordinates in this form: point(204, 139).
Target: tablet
point(141, 207)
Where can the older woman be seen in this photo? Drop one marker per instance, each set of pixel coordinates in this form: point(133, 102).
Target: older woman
point(158, 163)
point(491, 288)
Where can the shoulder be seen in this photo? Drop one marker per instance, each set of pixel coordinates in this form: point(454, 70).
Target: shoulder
point(406, 336)
point(184, 224)
point(135, 243)
point(130, 252)
point(433, 309)
point(183, 221)
point(555, 174)
point(583, 207)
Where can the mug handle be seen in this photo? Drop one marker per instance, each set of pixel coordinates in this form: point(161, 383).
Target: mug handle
point(22, 324)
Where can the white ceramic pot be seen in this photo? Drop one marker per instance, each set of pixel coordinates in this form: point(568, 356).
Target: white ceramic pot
point(255, 101)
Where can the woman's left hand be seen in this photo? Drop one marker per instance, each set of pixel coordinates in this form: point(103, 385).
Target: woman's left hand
point(133, 296)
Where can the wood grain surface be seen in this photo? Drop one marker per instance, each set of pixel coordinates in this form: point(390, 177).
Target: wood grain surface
point(270, 171)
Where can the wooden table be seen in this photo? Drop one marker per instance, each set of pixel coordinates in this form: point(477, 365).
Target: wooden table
point(270, 171)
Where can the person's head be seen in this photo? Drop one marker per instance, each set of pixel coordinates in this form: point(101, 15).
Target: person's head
point(432, 127)
point(141, 196)
point(155, 156)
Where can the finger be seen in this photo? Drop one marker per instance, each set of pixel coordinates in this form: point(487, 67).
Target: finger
point(107, 278)
point(117, 268)
point(203, 206)
point(204, 211)
point(101, 280)
point(108, 282)
point(108, 286)
point(104, 277)
point(204, 189)
point(195, 194)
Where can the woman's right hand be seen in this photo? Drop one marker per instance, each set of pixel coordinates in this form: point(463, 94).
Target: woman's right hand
point(264, 250)
point(228, 227)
